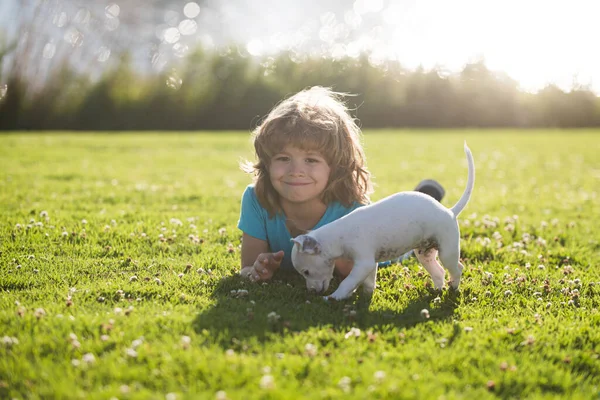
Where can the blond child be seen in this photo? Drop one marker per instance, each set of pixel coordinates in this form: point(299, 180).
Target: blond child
point(310, 171)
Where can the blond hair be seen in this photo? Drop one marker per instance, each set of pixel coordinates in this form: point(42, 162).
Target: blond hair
point(314, 119)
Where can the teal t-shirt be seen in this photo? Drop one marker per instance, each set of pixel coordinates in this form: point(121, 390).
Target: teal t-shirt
point(255, 221)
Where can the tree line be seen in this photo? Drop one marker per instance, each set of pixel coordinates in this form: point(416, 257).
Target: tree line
point(230, 90)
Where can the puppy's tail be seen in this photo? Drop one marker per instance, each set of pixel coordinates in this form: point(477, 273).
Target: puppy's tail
point(462, 202)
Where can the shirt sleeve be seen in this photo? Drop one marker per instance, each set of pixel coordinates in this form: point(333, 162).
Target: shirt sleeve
point(252, 215)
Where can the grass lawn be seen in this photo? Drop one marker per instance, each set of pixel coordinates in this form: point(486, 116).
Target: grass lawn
point(119, 254)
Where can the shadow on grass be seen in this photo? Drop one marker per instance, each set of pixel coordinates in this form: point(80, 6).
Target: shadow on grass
point(235, 315)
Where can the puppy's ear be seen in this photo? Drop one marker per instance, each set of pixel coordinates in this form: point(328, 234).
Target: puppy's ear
point(307, 244)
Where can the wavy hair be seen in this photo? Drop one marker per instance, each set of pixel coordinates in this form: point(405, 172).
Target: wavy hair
point(315, 119)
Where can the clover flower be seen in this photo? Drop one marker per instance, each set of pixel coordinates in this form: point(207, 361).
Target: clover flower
point(353, 332)
point(379, 376)
point(221, 395)
point(267, 382)
point(88, 358)
point(9, 341)
point(131, 352)
point(273, 317)
point(310, 350)
point(345, 383)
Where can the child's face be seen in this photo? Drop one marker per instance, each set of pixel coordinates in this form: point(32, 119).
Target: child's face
point(298, 175)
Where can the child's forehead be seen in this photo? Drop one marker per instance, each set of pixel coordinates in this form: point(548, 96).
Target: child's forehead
point(293, 149)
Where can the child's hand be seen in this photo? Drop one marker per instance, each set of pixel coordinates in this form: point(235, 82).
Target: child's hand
point(264, 267)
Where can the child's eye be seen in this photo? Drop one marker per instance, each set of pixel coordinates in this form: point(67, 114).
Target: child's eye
point(312, 160)
point(282, 158)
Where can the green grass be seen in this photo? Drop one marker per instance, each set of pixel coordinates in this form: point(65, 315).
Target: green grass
point(528, 330)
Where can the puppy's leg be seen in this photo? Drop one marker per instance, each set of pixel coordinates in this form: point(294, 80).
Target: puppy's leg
point(361, 270)
point(449, 257)
point(428, 259)
point(369, 282)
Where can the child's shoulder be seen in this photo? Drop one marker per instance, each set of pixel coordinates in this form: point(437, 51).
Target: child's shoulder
point(337, 208)
point(249, 193)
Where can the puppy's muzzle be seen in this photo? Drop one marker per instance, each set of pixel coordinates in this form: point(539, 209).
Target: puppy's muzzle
point(317, 286)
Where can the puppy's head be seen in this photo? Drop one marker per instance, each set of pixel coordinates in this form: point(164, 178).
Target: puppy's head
point(312, 263)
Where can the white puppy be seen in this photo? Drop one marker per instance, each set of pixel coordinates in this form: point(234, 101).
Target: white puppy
point(384, 231)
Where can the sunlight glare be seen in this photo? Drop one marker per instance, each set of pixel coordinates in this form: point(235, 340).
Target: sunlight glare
point(191, 10)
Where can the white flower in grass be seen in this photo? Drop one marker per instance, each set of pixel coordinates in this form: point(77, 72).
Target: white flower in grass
point(468, 328)
point(554, 221)
point(310, 349)
point(175, 221)
point(273, 317)
point(230, 353)
point(39, 313)
point(541, 242)
point(345, 383)
point(104, 338)
point(425, 313)
point(171, 396)
point(379, 376)
point(88, 358)
point(131, 353)
point(84, 222)
point(508, 293)
point(137, 343)
point(353, 332)
point(9, 341)
point(186, 341)
point(267, 382)
point(221, 395)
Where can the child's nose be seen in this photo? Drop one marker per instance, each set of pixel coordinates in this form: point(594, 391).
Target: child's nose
point(297, 167)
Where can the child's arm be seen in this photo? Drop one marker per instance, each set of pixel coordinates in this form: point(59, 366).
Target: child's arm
point(251, 248)
point(258, 263)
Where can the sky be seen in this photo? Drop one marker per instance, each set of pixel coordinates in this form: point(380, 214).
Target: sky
point(535, 42)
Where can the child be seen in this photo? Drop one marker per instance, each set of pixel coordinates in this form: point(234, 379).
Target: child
point(310, 171)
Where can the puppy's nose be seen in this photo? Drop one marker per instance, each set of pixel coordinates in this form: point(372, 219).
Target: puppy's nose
point(316, 287)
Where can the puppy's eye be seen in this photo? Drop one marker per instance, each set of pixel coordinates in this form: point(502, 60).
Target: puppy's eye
point(306, 272)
